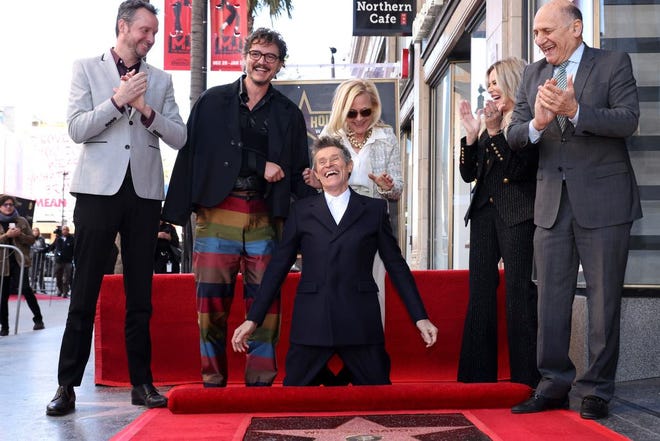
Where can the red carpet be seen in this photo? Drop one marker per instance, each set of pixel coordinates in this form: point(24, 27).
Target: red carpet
point(492, 424)
point(411, 396)
point(174, 331)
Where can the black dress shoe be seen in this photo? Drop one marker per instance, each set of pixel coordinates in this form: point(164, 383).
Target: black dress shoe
point(147, 395)
point(38, 326)
point(593, 408)
point(63, 402)
point(539, 403)
point(4, 332)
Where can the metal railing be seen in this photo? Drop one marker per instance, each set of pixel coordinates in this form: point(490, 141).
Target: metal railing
point(20, 278)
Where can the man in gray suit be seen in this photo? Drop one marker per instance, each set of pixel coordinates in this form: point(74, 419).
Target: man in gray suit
point(119, 108)
point(586, 200)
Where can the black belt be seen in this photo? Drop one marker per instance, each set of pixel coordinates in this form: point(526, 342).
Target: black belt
point(250, 183)
point(246, 195)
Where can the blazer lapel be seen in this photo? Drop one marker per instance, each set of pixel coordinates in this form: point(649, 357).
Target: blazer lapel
point(320, 210)
point(110, 69)
point(144, 67)
point(353, 212)
point(583, 72)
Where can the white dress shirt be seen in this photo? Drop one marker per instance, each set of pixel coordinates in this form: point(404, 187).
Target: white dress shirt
point(338, 204)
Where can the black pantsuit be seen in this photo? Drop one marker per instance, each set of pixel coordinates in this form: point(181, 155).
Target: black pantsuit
point(98, 219)
point(501, 227)
point(493, 240)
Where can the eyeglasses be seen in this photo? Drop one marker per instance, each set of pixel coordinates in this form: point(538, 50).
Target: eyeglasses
point(256, 56)
point(352, 114)
point(8, 204)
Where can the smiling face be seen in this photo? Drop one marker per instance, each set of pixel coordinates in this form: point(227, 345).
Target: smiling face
point(332, 170)
point(504, 103)
point(556, 33)
point(136, 38)
point(260, 71)
point(360, 124)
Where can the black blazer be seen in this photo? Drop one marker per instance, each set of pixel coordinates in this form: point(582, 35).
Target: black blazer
point(208, 165)
point(513, 196)
point(336, 301)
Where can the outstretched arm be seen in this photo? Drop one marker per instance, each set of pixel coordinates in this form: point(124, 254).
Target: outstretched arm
point(239, 340)
point(428, 330)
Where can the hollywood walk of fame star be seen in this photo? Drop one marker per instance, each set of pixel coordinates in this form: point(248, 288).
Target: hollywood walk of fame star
point(361, 429)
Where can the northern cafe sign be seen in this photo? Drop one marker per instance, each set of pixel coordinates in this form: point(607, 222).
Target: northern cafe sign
point(383, 17)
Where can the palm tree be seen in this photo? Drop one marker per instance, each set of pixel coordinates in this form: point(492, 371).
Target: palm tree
point(275, 9)
point(198, 46)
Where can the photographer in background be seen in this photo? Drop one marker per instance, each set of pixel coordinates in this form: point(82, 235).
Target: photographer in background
point(63, 248)
point(38, 253)
point(168, 254)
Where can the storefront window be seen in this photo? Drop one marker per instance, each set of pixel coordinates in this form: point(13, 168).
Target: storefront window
point(633, 28)
point(441, 166)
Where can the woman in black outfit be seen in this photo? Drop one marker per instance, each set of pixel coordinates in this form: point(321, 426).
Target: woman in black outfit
point(502, 227)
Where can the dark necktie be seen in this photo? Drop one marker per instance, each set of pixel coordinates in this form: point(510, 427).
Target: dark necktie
point(560, 76)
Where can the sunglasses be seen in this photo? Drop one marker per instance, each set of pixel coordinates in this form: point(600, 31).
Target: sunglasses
point(352, 114)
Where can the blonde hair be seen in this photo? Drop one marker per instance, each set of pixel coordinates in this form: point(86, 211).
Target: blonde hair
point(343, 98)
point(509, 73)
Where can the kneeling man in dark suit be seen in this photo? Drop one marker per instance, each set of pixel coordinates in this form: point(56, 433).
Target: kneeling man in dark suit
point(336, 308)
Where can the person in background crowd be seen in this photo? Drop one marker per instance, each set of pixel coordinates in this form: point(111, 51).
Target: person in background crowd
point(239, 174)
point(63, 246)
point(336, 309)
point(578, 105)
point(120, 108)
point(38, 252)
point(168, 255)
point(15, 230)
point(374, 148)
point(501, 227)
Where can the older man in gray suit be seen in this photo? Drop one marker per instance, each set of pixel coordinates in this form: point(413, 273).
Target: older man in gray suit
point(578, 104)
point(119, 109)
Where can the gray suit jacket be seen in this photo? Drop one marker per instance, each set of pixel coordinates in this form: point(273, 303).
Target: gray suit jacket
point(110, 139)
point(593, 156)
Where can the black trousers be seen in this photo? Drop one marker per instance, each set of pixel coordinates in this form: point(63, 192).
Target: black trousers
point(98, 219)
point(366, 364)
point(490, 240)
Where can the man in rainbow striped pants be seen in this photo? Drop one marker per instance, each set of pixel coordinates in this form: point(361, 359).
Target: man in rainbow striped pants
point(239, 171)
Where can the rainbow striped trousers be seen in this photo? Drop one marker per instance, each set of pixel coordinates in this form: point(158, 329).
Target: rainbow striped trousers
point(235, 236)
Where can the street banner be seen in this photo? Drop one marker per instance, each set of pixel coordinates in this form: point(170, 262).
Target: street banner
point(178, 15)
point(228, 32)
point(383, 17)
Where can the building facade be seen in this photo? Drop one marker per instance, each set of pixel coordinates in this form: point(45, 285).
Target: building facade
point(452, 45)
